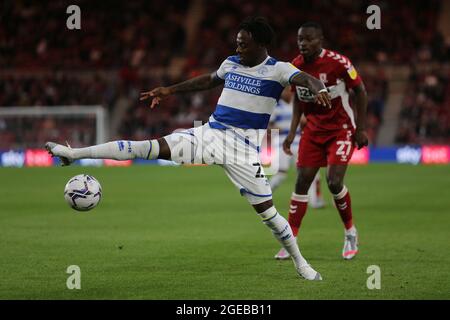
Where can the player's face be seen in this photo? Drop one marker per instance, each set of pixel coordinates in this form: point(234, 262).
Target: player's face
point(246, 47)
point(309, 41)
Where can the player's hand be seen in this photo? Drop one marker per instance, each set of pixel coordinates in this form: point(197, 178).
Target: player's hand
point(156, 94)
point(360, 138)
point(287, 144)
point(323, 98)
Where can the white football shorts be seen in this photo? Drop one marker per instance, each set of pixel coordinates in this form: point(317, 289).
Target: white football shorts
point(234, 149)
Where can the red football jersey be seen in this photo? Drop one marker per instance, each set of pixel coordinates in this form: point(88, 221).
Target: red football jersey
point(339, 75)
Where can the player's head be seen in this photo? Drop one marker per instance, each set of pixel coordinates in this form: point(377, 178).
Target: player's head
point(255, 35)
point(309, 39)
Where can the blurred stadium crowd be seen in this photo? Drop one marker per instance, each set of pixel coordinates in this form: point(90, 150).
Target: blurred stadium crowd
point(125, 47)
point(425, 113)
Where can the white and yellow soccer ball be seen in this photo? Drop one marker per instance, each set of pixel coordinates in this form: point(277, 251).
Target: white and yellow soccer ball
point(83, 192)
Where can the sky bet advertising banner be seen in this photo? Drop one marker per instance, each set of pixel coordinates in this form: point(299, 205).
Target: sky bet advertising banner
point(427, 154)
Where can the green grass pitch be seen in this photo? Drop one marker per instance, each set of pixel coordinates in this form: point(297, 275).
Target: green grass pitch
point(185, 233)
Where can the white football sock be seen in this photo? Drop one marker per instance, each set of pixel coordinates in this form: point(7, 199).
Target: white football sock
point(283, 233)
point(351, 231)
point(119, 150)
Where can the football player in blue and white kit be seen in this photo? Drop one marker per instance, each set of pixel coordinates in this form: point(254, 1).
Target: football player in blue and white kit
point(281, 120)
point(253, 82)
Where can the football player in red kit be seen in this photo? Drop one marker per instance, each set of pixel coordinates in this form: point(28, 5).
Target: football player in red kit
point(330, 134)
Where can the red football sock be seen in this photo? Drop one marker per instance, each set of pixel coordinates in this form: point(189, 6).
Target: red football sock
point(344, 205)
point(297, 210)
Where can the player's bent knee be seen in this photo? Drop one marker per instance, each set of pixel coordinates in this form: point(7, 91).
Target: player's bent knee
point(335, 185)
point(164, 150)
point(261, 207)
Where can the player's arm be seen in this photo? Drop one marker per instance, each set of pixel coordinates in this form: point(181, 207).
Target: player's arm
point(203, 82)
point(316, 86)
point(296, 116)
point(303, 121)
point(360, 136)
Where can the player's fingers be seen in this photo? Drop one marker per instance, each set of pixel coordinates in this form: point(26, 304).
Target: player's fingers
point(323, 102)
point(324, 99)
point(328, 100)
point(318, 101)
point(155, 101)
point(146, 95)
point(287, 149)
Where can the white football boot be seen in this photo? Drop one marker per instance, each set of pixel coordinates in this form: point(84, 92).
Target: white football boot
point(282, 254)
point(62, 152)
point(317, 203)
point(350, 244)
point(309, 273)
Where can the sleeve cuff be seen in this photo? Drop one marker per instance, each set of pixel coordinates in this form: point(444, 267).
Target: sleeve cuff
point(217, 75)
point(293, 75)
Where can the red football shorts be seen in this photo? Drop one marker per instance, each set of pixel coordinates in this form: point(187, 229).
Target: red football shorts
point(322, 150)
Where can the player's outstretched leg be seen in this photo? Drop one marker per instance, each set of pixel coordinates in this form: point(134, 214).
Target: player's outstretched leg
point(343, 204)
point(283, 233)
point(118, 150)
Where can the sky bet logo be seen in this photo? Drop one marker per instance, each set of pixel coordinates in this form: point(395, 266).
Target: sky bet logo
point(409, 155)
point(12, 158)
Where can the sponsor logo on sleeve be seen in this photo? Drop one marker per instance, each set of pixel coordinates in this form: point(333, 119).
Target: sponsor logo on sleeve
point(352, 73)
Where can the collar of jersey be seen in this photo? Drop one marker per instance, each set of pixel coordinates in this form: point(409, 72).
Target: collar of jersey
point(258, 65)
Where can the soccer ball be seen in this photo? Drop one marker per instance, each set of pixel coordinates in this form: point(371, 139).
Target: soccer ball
point(83, 192)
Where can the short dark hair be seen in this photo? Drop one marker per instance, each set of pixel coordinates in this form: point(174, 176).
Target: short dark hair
point(260, 30)
point(314, 25)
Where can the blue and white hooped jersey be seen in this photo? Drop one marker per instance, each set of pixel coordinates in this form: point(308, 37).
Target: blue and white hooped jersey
point(250, 94)
point(281, 117)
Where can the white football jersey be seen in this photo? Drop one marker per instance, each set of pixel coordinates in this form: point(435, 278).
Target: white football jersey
point(250, 94)
point(281, 119)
